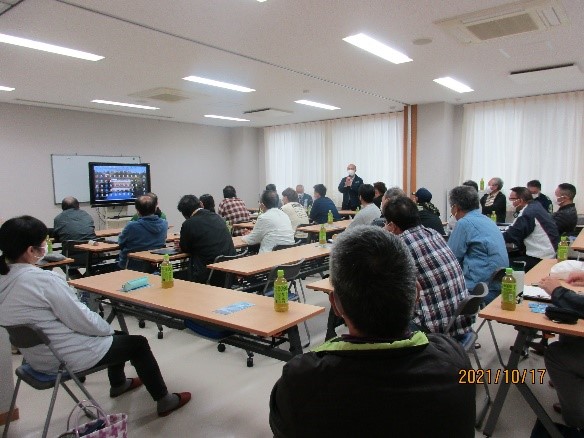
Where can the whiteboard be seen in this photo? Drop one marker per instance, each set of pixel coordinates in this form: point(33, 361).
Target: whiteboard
point(71, 174)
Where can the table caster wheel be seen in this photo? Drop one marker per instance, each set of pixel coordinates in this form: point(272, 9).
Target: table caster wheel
point(160, 335)
point(221, 348)
point(141, 323)
point(250, 362)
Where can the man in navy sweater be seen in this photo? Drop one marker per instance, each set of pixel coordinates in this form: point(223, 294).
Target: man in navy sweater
point(322, 205)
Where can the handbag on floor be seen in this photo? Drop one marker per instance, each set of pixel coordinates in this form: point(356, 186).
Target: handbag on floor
point(104, 426)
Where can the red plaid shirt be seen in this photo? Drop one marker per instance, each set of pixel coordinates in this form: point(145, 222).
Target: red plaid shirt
point(235, 211)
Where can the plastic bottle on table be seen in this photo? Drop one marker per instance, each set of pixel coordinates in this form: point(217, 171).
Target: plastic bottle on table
point(166, 273)
point(508, 291)
point(330, 217)
point(322, 235)
point(281, 293)
point(482, 184)
point(494, 217)
point(563, 248)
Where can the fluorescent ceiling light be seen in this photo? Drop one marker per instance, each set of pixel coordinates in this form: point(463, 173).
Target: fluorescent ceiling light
point(316, 104)
point(373, 46)
point(129, 105)
point(23, 42)
point(6, 88)
point(218, 84)
point(261, 1)
point(453, 84)
point(212, 116)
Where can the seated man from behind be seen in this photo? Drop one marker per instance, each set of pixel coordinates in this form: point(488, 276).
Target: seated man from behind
point(233, 209)
point(369, 211)
point(476, 241)
point(439, 273)
point(566, 218)
point(157, 212)
point(74, 224)
point(321, 206)
point(273, 227)
point(429, 213)
point(148, 232)
point(204, 236)
point(381, 379)
point(534, 230)
point(295, 211)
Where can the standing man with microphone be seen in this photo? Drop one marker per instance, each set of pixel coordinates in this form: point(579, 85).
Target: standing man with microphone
point(349, 187)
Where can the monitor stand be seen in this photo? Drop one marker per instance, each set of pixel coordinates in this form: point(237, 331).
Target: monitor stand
point(116, 216)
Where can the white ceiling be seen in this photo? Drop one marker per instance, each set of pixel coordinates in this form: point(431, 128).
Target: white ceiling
point(285, 49)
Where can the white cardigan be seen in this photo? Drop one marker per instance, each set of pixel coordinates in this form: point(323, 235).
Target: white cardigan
point(29, 295)
point(272, 228)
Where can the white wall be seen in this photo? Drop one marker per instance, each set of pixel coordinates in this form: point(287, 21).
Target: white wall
point(438, 150)
point(185, 158)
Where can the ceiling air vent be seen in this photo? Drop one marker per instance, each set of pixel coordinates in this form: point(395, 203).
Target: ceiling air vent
point(506, 20)
point(163, 94)
point(267, 113)
point(552, 74)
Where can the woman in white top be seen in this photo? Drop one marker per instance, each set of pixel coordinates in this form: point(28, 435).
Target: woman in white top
point(30, 295)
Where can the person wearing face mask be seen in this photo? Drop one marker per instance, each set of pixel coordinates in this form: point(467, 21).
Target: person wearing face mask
point(534, 231)
point(534, 187)
point(494, 200)
point(476, 241)
point(349, 187)
point(29, 295)
point(566, 218)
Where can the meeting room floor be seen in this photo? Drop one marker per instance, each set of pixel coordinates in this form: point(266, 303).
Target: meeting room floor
point(230, 399)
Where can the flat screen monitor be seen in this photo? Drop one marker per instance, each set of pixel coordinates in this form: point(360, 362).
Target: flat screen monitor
point(117, 183)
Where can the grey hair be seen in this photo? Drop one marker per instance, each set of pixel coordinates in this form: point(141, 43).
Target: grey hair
point(498, 182)
point(394, 192)
point(374, 279)
point(465, 197)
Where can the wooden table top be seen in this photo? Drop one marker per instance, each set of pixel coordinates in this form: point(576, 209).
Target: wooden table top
point(347, 212)
point(97, 247)
point(523, 316)
point(238, 243)
point(578, 244)
point(542, 269)
point(244, 225)
point(199, 301)
point(323, 285)
point(335, 226)
point(265, 261)
point(147, 256)
point(51, 265)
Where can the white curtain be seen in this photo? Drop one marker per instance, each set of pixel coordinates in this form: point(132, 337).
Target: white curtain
point(319, 152)
point(521, 139)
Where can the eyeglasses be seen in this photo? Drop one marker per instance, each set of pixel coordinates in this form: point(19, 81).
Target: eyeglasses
point(513, 199)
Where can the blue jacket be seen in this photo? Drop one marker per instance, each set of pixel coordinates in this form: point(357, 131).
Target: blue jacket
point(148, 232)
point(351, 193)
point(320, 209)
point(479, 246)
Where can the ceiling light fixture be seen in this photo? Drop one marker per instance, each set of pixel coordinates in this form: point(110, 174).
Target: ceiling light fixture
point(6, 88)
point(377, 48)
point(316, 104)
point(235, 119)
point(219, 84)
point(453, 84)
point(129, 105)
point(23, 42)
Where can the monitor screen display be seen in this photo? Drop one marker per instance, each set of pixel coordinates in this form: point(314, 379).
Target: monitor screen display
point(117, 183)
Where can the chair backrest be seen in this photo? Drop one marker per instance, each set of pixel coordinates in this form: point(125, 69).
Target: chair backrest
point(291, 245)
point(223, 258)
point(470, 305)
point(497, 276)
point(26, 335)
point(291, 273)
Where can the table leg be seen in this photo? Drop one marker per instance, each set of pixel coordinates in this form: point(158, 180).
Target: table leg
point(120, 316)
point(294, 339)
point(524, 334)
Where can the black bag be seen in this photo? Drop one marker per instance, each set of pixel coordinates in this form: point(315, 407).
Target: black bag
point(562, 316)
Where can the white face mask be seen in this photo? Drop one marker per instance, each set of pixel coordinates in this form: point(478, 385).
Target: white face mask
point(351, 172)
point(488, 190)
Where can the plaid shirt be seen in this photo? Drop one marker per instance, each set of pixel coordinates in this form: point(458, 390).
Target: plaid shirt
point(441, 279)
point(235, 211)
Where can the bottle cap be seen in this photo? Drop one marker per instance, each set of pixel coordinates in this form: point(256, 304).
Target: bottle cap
point(509, 271)
point(166, 257)
point(280, 272)
point(564, 238)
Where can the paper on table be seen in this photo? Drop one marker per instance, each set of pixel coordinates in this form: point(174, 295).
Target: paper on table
point(535, 292)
